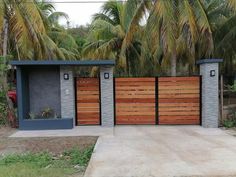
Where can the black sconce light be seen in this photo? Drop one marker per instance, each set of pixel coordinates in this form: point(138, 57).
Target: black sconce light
point(66, 76)
point(106, 76)
point(212, 73)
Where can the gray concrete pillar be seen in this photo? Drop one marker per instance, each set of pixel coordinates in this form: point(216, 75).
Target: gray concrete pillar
point(107, 96)
point(67, 92)
point(209, 70)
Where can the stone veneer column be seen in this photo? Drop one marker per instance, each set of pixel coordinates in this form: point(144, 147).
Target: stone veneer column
point(107, 96)
point(67, 93)
point(209, 70)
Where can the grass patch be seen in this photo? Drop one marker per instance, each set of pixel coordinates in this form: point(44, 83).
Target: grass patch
point(79, 157)
point(44, 164)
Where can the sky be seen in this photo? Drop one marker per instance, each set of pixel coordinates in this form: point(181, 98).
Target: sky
point(79, 13)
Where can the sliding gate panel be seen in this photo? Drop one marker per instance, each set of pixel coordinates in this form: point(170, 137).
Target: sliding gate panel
point(179, 100)
point(135, 101)
point(88, 101)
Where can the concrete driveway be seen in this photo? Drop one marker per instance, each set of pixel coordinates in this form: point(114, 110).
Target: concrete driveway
point(151, 151)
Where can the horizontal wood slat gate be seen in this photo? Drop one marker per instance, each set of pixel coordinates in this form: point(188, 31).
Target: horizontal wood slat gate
point(88, 101)
point(162, 100)
point(179, 100)
point(135, 101)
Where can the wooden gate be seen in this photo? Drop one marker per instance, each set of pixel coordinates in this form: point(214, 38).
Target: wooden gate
point(88, 101)
point(135, 101)
point(179, 100)
point(162, 100)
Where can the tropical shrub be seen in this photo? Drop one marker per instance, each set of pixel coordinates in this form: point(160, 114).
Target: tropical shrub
point(3, 109)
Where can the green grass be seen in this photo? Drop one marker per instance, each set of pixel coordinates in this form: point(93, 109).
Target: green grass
point(44, 164)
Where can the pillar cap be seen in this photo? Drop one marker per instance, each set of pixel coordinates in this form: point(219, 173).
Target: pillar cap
point(213, 60)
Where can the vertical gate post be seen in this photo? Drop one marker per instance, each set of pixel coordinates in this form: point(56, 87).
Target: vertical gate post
point(209, 70)
point(67, 93)
point(107, 96)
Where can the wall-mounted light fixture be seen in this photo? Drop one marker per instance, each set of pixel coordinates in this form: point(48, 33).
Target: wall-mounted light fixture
point(212, 73)
point(66, 76)
point(106, 75)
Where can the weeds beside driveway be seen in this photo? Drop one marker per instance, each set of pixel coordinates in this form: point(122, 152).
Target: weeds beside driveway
point(44, 157)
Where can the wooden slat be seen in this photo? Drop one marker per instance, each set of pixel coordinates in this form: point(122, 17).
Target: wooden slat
point(179, 100)
point(135, 96)
point(194, 120)
point(177, 83)
point(134, 88)
point(133, 119)
point(179, 91)
point(135, 104)
point(193, 95)
point(88, 106)
point(178, 104)
point(179, 87)
point(88, 101)
point(135, 79)
point(136, 113)
point(135, 100)
point(179, 113)
point(135, 109)
point(136, 92)
point(177, 108)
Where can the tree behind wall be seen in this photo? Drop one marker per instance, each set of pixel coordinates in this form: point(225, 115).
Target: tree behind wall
point(176, 28)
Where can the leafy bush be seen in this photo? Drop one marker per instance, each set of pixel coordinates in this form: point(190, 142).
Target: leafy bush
point(3, 109)
point(47, 113)
point(231, 119)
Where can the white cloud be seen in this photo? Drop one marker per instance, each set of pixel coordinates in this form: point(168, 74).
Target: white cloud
point(79, 13)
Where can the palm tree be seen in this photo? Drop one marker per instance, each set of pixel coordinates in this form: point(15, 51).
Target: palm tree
point(64, 41)
point(225, 36)
point(114, 34)
point(24, 36)
point(176, 28)
point(27, 32)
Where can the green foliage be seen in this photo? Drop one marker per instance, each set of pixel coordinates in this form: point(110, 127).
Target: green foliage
point(113, 34)
point(80, 157)
point(144, 37)
point(41, 160)
point(229, 123)
point(29, 26)
point(231, 119)
point(3, 109)
point(47, 113)
point(3, 101)
point(31, 170)
point(44, 164)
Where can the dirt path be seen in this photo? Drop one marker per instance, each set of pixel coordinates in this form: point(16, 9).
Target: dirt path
point(54, 145)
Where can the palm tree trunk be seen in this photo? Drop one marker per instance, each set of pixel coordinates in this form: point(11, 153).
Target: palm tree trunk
point(17, 49)
point(5, 38)
point(173, 63)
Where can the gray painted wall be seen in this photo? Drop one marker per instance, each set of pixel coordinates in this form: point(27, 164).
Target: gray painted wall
point(44, 89)
point(67, 93)
point(210, 95)
point(107, 97)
